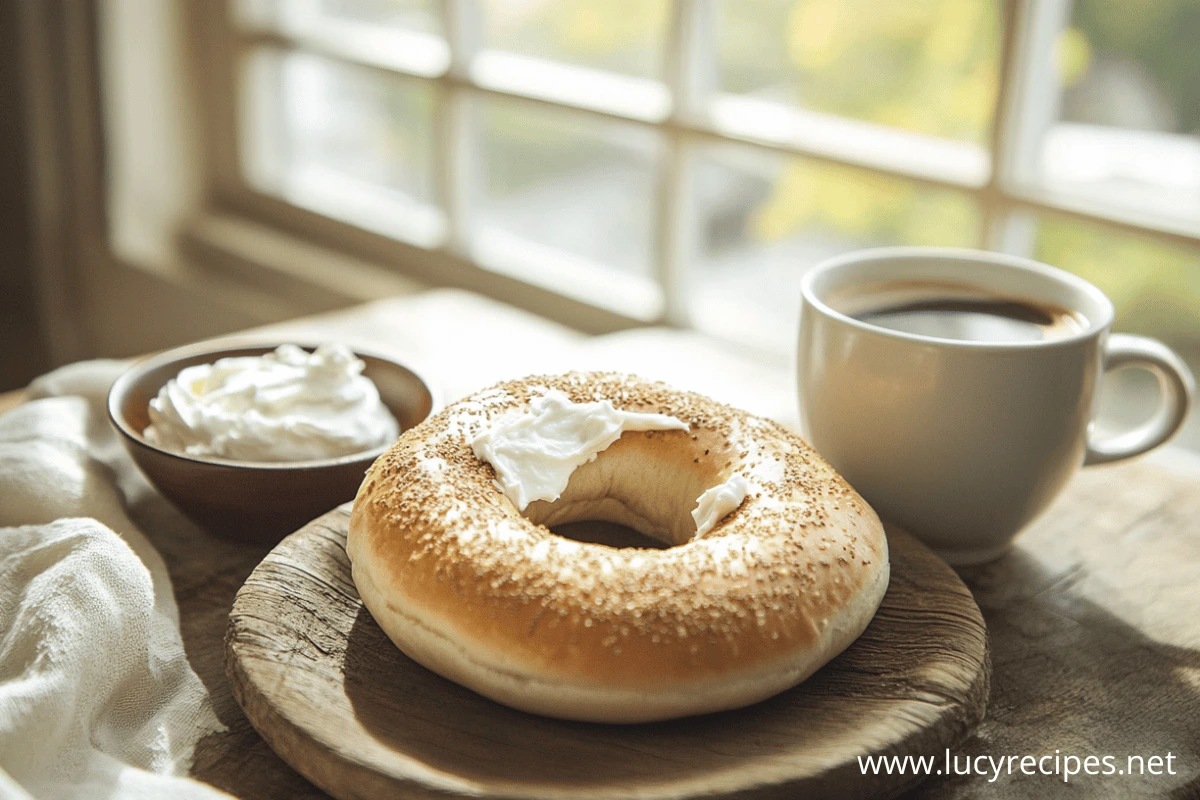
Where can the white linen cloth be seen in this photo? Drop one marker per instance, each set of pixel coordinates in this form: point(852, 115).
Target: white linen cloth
point(97, 699)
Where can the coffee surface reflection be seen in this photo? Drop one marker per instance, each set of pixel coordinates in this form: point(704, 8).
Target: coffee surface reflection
point(976, 319)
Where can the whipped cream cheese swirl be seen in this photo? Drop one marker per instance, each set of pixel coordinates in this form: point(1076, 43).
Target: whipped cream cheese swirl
point(534, 451)
point(287, 405)
point(716, 503)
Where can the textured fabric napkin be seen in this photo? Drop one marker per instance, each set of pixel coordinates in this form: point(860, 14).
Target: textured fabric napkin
point(97, 699)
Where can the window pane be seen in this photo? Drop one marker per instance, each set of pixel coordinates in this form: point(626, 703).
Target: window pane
point(568, 201)
point(298, 16)
point(347, 141)
point(626, 37)
point(1128, 127)
point(763, 220)
point(403, 35)
point(417, 15)
point(1156, 291)
point(927, 66)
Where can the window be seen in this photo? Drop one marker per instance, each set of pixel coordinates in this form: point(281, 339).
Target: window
point(685, 162)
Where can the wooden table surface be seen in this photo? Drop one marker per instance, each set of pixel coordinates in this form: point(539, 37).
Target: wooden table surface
point(1094, 616)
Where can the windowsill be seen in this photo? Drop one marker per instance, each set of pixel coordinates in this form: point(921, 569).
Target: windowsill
point(310, 278)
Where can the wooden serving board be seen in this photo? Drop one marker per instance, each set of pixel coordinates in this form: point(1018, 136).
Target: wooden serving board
point(335, 699)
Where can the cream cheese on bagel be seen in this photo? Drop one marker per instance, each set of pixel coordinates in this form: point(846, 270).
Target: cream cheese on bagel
point(535, 450)
point(716, 503)
point(473, 588)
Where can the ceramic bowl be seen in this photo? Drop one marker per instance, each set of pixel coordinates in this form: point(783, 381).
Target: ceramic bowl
point(253, 500)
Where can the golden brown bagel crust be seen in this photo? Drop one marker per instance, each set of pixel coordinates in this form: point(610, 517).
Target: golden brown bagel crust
point(466, 585)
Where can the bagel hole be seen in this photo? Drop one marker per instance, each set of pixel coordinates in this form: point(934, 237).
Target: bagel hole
point(640, 492)
point(612, 534)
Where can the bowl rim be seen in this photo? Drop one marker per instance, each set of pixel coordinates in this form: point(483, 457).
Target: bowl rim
point(217, 348)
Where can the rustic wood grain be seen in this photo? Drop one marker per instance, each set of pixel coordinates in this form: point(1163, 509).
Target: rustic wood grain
point(336, 699)
point(1094, 620)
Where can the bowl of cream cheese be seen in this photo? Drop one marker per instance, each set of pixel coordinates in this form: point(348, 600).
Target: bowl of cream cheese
point(252, 439)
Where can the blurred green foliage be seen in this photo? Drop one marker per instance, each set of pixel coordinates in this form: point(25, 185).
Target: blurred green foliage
point(522, 145)
point(1154, 287)
point(863, 206)
point(625, 36)
point(926, 66)
point(1161, 35)
point(930, 66)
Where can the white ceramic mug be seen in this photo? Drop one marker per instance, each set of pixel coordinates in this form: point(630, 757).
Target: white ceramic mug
point(964, 442)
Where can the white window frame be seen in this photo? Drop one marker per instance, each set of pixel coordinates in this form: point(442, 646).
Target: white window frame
point(998, 178)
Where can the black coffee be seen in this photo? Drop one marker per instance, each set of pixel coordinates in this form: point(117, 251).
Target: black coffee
point(976, 319)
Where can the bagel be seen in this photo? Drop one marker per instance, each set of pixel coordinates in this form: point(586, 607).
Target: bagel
point(489, 597)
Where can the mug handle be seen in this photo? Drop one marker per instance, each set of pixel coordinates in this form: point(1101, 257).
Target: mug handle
point(1176, 386)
